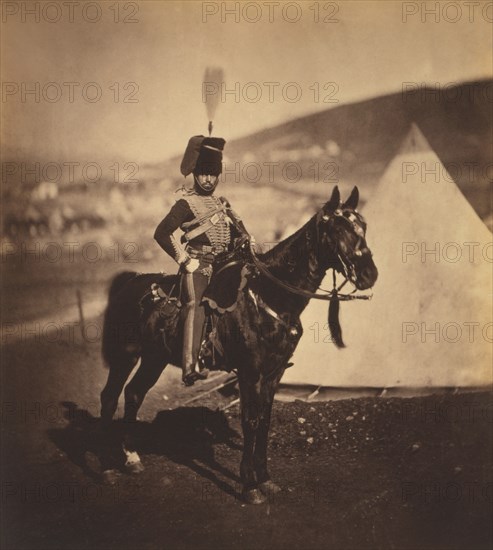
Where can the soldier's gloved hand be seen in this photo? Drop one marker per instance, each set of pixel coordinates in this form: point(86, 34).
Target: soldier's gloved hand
point(191, 265)
point(256, 247)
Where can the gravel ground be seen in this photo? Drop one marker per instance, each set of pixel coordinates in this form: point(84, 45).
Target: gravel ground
point(356, 473)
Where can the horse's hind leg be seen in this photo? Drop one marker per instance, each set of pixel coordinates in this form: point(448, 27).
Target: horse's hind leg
point(146, 376)
point(119, 371)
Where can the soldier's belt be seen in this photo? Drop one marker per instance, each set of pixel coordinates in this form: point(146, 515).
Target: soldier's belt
point(199, 251)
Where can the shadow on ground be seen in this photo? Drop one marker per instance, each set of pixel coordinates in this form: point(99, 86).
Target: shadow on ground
point(187, 436)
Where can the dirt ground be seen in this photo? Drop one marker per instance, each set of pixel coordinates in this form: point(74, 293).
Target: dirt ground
point(356, 473)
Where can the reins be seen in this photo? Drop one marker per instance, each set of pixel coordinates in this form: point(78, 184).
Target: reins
point(329, 294)
point(332, 296)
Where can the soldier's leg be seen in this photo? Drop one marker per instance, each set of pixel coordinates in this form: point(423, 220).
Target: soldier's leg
point(188, 299)
point(193, 288)
point(200, 284)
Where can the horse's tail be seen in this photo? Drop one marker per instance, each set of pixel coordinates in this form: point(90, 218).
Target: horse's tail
point(115, 320)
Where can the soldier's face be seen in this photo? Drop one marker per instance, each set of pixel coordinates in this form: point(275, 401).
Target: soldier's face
point(207, 182)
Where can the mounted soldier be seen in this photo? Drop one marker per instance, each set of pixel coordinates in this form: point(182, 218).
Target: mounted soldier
point(256, 302)
point(210, 228)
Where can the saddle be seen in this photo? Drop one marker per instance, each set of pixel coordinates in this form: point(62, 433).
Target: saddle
point(161, 305)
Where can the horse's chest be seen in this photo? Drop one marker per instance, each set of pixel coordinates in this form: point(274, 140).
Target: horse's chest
point(276, 337)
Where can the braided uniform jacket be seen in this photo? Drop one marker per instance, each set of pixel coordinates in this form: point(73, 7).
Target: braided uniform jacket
point(189, 213)
point(212, 211)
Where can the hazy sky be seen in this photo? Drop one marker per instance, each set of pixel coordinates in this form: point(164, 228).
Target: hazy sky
point(369, 51)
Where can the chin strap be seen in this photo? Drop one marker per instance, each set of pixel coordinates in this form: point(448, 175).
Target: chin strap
point(206, 191)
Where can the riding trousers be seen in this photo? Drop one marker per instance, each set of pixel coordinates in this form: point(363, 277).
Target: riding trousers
point(192, 290)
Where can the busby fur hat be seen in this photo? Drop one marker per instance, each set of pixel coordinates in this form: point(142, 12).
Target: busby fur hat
point(203, 155)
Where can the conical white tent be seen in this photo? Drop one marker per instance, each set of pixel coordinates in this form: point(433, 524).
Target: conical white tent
point(430, 320)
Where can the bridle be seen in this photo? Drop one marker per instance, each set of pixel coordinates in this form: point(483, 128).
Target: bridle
point(332, 296)
point(328, 294)
point(348, 267)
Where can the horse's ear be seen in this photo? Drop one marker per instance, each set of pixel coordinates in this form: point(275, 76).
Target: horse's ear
point(334, 201)
point(353, 199)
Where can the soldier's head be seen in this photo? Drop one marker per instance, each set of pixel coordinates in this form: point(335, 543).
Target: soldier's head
point(205, 183)
point(203, 158)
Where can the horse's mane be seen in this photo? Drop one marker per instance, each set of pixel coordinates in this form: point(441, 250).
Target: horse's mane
point(292, 261)
point(290, 247)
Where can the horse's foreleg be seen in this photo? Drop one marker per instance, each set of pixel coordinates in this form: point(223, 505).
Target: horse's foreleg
point(267, 390)
point(249, 393)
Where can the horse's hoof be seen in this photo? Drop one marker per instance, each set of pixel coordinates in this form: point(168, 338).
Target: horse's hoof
point(254, 496)
point(133, 465)
point(269, 488)
point(110, 477)
point(92, 462)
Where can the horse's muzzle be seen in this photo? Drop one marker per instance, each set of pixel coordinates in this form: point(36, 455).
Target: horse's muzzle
point(367, 277)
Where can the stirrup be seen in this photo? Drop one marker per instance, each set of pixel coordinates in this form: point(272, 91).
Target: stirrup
point(190, 378)
point(203, 374)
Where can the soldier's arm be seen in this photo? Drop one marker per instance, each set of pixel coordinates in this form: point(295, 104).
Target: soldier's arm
point(240, 231)
point(238, 222)
point(164, 234)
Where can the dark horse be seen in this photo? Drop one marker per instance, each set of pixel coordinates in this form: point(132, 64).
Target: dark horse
point(334, 238)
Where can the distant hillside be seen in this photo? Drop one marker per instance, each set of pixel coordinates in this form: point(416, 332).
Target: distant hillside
point(349, 144)
point(361, 138)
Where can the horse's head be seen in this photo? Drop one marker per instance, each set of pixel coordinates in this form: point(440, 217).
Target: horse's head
point(342, 231)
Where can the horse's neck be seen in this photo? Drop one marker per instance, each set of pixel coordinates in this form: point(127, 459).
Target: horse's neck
point(293, 261)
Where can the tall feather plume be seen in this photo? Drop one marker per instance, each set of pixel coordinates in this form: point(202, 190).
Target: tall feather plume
point(213, 80)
